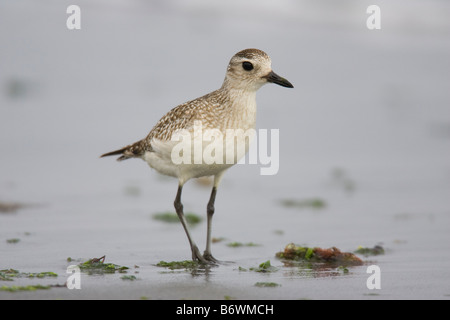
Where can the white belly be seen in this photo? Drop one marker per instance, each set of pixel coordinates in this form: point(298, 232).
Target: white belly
point(198, 154)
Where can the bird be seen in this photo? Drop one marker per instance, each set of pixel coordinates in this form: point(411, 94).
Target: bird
point(169, 148)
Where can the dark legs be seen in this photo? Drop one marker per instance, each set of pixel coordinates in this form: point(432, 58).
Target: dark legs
point(210, 212)
point(196, 255)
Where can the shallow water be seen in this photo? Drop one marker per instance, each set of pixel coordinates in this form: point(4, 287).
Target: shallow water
point(365, 130)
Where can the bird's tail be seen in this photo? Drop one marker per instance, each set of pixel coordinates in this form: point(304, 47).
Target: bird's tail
point(116, 153)
point(131, 151)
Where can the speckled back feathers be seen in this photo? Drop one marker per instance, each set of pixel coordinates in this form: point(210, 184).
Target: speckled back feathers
point(213, 109)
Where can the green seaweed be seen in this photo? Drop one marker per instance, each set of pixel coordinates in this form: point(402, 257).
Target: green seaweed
point(267, 284)
point(175, 265)
point(24, 288)
point(309, 253)
point(313, 203)
point(375, 251)
point(236, 244)
point(42, 274)
point(9, 274)
point(265, 267)
point(342, 270)
point(13, 240)
point(98, 266)
point(171, 217)
point(128, 277)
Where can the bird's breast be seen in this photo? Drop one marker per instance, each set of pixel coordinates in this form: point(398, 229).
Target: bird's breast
point(242, 112)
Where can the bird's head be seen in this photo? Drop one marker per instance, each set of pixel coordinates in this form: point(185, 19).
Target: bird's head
point(250, 69)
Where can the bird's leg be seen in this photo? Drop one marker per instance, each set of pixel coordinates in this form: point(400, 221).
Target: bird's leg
point(196, 255)
point(210, 212)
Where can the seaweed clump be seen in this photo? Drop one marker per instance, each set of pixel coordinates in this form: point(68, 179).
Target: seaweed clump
point(313, 203)
point(331, 256)
point(267, 284)
point(375, 251)
point(24, 288)
point(185, 264)
point(171, 217)
point(10, 274)
point(98, 266)
point(265, 267)
point(237, 244)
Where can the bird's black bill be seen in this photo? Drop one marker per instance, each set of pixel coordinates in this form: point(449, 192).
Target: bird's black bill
point(274, 78)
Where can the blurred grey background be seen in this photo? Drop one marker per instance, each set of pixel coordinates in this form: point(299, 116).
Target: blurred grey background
point(373, 101)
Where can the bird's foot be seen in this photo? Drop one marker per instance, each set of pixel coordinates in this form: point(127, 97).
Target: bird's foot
point(208, 256)
point(197, 256)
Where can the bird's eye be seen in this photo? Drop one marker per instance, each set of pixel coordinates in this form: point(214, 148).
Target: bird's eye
point(247, 65)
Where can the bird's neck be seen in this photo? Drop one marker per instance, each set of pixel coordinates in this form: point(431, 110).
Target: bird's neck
point(242, 109)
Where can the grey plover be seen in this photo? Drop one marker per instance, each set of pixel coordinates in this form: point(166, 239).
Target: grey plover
point(232, 107)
